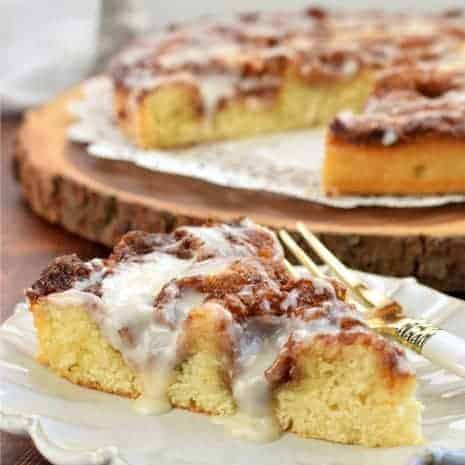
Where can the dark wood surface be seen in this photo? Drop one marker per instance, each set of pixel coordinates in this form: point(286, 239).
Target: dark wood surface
point(28, 243)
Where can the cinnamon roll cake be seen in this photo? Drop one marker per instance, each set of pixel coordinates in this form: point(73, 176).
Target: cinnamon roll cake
point(263, 72)
point(208, 319)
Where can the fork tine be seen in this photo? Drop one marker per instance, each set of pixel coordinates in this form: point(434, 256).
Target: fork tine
point(299, 254)
point(387, 319)
point(369, 297)
point(328, 257)
point(291, 269)
point(305, 260)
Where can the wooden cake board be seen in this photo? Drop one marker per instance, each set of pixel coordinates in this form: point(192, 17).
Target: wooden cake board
point(102, 199)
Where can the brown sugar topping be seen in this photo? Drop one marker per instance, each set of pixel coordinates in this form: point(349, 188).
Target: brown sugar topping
point(249, 54)
point(60, 275)
point(248, 288)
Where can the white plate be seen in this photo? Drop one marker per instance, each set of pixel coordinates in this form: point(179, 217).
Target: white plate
point(78, 426)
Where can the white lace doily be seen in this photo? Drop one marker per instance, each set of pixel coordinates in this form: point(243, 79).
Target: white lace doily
point(285, 163)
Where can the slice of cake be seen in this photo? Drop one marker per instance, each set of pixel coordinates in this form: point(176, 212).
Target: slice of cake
point(265, 72)
point(409, 139)
point(208, 319)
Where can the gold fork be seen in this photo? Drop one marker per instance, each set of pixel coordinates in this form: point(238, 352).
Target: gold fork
point(382, 314)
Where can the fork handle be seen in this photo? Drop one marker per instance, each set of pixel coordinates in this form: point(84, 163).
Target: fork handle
point(442, 348)
point(446, 350)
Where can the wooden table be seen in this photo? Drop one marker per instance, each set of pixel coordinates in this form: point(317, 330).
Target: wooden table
point(28, 244)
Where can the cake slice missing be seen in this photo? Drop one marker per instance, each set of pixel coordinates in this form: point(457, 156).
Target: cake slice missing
point(208, 319)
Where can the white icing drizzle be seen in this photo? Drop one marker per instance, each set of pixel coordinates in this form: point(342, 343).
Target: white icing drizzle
point(74, 298)
point(218, 240)
point(259, 349)
point(192, 53)
point(97, 271)
point(389, 137)
point(255, 419)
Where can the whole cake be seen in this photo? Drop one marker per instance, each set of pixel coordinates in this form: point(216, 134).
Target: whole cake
point(209, 319)
point(254, 73)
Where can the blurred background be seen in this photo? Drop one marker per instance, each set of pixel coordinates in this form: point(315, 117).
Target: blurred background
point(47, 45)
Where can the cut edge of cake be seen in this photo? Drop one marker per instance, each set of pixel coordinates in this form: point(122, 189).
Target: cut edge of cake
point(171, 116)
point(374, 409)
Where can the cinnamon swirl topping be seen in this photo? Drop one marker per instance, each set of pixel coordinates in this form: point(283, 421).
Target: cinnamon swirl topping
point(251, 54)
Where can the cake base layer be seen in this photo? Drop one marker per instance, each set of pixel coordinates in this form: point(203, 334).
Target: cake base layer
point(70, 343)
point(341, 390)
point(427, 165)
